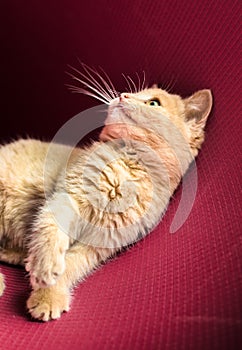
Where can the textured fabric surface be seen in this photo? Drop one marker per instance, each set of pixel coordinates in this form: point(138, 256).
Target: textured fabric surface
point(169, 291)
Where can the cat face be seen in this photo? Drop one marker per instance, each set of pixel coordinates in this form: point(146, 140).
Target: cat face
point(146, 111)
point(156, 111)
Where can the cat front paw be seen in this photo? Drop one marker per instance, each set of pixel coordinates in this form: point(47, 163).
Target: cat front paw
point(48, 303)
point(45, 269)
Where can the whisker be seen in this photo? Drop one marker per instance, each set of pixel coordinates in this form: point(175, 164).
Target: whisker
point(143, 83)
point(138, 81)
point(89, 86)
point(110, 82)
point(131, 80)
point(93, 81)
point(127, 81)
point(166, 86)
point(86, 92)
point(108, 88)
point(171, 84)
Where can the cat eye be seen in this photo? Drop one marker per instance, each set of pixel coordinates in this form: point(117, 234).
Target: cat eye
point(154, 102)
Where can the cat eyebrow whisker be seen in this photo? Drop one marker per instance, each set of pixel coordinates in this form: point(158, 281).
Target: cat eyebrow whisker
point(86, 92)
point(171, 84)
point(89, 86)
point(143, 83)
point(93, 81)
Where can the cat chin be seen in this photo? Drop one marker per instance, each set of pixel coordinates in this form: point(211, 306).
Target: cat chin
point(113, 131)
point(121, 112)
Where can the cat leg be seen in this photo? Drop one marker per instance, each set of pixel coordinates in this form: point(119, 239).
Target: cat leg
point(49, 303)
point(2, 285)
point(49, 242)
point(46, 259)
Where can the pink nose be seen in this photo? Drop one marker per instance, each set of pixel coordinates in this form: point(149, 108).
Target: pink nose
point(123, 97)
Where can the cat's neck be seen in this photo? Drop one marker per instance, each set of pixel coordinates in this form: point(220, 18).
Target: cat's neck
point(165, 155)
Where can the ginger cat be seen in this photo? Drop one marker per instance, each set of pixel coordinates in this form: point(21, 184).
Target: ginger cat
point(62, 219)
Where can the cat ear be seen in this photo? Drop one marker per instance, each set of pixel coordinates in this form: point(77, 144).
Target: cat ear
point(198, 107)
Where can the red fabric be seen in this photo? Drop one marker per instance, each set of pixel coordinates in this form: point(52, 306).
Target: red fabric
point(180, 291)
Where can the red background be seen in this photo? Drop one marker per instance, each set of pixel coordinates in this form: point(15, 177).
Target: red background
point(180, 291)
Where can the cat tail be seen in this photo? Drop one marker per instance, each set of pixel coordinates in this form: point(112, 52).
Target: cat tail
point(2, 285)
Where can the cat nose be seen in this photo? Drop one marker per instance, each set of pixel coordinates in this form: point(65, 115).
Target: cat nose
point(123, 97)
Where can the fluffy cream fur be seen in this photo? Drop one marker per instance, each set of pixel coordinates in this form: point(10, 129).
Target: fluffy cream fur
point(61, 218)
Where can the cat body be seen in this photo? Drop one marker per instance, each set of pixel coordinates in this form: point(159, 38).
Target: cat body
point(64, 210)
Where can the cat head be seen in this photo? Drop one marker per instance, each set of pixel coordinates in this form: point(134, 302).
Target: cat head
point(146, 113)
point(131, 114)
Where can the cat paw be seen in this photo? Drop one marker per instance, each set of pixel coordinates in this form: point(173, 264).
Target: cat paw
point(44, 269)
point(48, 303)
